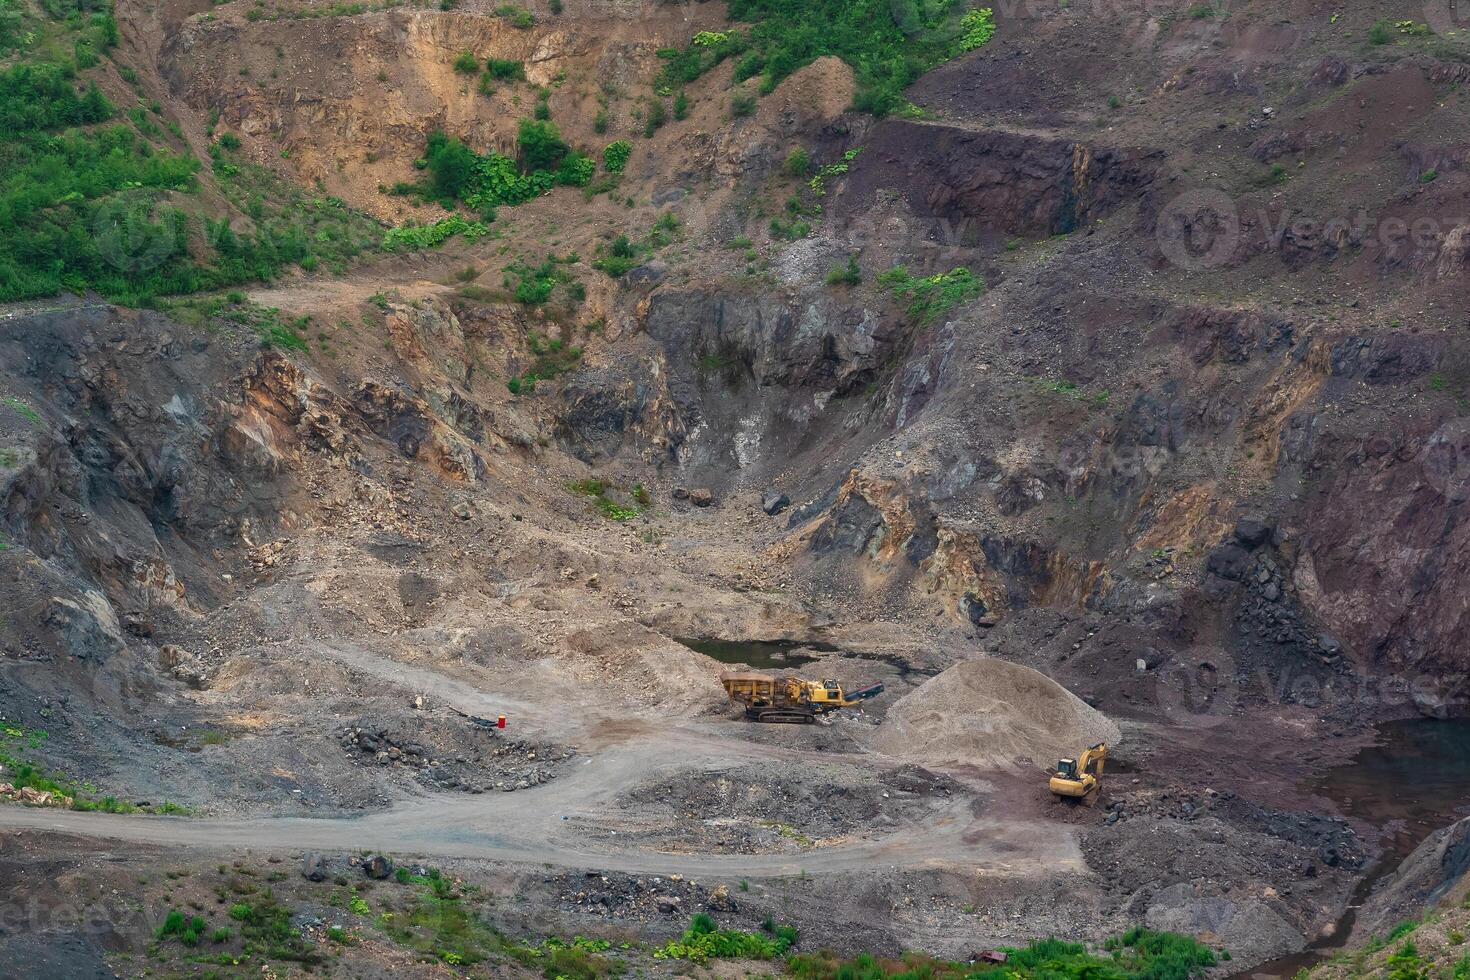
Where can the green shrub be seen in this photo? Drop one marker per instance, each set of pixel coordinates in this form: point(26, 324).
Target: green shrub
point(742, 104)
point(519, 17)
point(1429, 176)
point(467, 63)
point(704, 941)
point(615, 156)
point(541, 145)
point(1380, 33)
point(505, 69)
point(681, 105)
point(654, 118)
point(798, 163)
point(887, 44)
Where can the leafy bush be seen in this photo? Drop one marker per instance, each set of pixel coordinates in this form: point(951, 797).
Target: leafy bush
point(505, 69)
point(617, 258)
point(467, 63)
point(415, 237)
point(519, 17)
point(931, 297)
point(704, 941)
point(798, 162)
point(888, 43)
point(1380, 33)
point(742, 104)
point(615, 156)
point(541, 145)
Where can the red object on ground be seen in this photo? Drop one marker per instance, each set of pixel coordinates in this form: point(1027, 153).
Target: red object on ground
point(500, 721)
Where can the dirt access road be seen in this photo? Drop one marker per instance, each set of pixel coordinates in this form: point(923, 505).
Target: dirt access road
point(542, 824)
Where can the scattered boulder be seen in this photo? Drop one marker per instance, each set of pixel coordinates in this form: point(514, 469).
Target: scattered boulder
point(702, 497)
point(461, 510)
point(680, 493)
point(1252, 533)
point(1229, 562)
point(774, 502)
point(314, 867)
point(378, 866)
point(667, 904)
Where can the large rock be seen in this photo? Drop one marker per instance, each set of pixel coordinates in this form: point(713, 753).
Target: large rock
point(774, 502)
point(314, 867)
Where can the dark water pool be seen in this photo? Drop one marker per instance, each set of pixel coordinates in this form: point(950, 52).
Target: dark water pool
point(1410, 784)
point(760, 654)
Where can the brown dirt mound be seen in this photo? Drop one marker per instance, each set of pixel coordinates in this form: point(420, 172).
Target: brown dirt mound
point(987, 712)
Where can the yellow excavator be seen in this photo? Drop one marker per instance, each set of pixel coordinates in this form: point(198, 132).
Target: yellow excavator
point(790, 700)
point(1081, 778)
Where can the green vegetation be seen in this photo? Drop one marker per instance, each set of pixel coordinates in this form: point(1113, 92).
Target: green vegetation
point(1429, 176)
point(887, 44)
point(266, 931)
point(534, 284)
point(506, 70)
point(187, 930)
point(22, 772)
point(798, 163)
point(414, 237)
point(1380, 33)
point(519, 17)
point(605, 502)
point(742, 104)
point(818, 183)
point(655, 117)
point(1139, 954)
point(23, 410)
point(552, 357)
point(484, 182)
point(932, 297)
point(704, 941)
point(845, 275)
point(94, 196)
point(467, 63)
point(622, 254)
point(615, 156)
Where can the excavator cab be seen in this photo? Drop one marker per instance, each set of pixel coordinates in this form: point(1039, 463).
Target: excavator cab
point(1080, 778)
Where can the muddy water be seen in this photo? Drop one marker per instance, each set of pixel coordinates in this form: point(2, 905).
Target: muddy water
point(1410, 784)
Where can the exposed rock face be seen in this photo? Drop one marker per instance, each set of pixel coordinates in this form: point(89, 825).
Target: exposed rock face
point(995, 183)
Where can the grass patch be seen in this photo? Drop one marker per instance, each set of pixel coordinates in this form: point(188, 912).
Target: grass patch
point(605, 500)
point(931, 297)
point(1138, 954)
point(23, 410)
